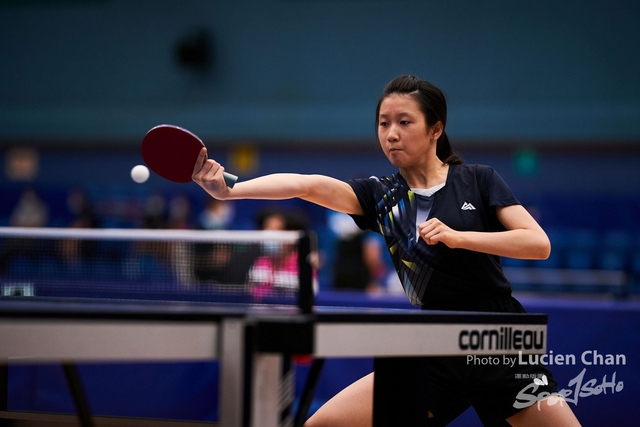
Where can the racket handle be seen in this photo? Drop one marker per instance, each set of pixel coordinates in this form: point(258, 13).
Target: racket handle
point(229, 179)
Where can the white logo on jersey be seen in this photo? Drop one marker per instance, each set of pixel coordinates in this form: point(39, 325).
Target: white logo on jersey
point(468, 207)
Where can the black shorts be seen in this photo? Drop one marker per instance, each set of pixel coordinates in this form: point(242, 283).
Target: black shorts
point(455, 383)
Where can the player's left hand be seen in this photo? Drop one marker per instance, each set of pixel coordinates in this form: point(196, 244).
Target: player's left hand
point(435, 231)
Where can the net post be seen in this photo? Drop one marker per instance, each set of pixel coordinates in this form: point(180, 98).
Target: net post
point(305, 270)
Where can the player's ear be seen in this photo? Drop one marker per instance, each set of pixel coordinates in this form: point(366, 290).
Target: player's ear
point(436, 130)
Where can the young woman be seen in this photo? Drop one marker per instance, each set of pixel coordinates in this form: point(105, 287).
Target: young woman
point(445, 224)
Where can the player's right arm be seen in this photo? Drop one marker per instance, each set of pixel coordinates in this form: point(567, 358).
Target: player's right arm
point(319, 189)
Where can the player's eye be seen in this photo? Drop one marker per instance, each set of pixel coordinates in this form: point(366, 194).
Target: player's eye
point(383, 124)
point(404, 122)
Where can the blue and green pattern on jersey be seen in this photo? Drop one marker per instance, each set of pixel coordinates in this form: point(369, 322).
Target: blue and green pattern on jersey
point(412, 258)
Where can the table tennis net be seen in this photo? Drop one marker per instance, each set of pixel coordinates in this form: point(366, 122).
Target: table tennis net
point(193, 265)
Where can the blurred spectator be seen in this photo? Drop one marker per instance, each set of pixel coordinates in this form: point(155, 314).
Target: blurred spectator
point(359, 263)
point(217, 215)
point(73, 251)
point(30, 211)
point(276, 218)
point(155, 211)
point(179, 211)
point(211, 262)
point(81, 210)
point(275, 272)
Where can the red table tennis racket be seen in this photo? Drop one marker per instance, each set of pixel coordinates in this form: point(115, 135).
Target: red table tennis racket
point(171, 152)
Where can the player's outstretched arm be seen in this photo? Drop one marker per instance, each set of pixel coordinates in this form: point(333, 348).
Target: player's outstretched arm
point(319, 189)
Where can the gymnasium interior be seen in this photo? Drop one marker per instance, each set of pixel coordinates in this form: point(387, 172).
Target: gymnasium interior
point(546, 93)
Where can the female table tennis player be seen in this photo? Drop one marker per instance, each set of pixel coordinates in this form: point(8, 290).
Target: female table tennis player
point(446, 224)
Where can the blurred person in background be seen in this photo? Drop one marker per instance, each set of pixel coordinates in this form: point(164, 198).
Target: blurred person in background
point(212, 262)
point(359, 263)
point(31, 211)
point(275, 271)
point(179, 211)
point(155, 211)
point(216, 215)
point(81, 210)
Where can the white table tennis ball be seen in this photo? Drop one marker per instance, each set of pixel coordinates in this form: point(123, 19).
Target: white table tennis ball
point(140, 173)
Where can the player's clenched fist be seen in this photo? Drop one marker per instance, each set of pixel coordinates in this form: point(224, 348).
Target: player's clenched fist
point(435, 231)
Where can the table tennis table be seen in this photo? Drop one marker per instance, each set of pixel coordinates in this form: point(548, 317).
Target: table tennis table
point(253, 343)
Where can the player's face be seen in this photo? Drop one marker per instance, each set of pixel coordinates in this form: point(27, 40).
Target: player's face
point(402, 131)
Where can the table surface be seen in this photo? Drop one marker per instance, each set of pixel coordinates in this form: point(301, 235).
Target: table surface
point(36, 330)
point(105, 308)
point(194, 328)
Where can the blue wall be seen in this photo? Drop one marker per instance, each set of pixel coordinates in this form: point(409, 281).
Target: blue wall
point(569, 188)
point(85, 71)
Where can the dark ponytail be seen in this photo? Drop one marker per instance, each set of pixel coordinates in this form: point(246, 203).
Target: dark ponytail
point(433, 105)
point(445, 151)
